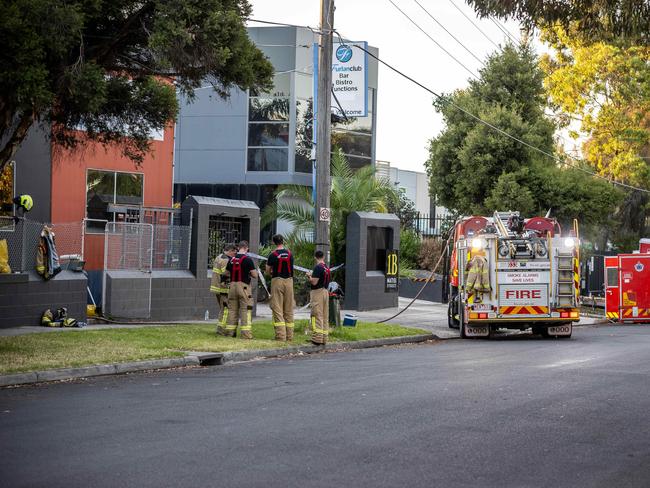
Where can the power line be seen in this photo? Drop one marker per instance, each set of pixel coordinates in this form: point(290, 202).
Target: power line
point(501, 131)
point(474, 24)
point(503, 29)
point(447, 31)
point(433, 40)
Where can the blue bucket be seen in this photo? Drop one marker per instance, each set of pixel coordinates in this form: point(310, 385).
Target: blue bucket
point(349, 320)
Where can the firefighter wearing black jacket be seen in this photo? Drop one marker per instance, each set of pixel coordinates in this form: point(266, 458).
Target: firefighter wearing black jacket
point(240, 296)
point(280, 265)
point(319, 279)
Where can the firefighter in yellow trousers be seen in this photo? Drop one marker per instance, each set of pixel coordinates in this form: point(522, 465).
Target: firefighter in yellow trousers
point(220, 284)
point(478, 277)
point(319, 279)
point(240, 295)
point(280, 265)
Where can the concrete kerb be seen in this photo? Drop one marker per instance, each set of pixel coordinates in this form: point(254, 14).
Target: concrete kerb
point(195, 359)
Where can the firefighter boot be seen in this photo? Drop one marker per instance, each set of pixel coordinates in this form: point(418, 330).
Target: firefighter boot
point(289, 332)
point(280, 328)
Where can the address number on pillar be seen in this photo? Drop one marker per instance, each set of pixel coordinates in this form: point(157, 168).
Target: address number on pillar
point(325, 214)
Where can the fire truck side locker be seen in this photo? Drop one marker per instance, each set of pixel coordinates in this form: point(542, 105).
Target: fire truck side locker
point(612, 295)
point(634, 288)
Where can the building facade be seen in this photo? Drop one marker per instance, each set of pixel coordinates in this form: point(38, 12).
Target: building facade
point(247, 145)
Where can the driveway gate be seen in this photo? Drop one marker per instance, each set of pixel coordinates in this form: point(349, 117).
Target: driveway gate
point(128, 252)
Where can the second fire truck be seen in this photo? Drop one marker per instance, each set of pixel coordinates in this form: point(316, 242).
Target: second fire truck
point(514, 273)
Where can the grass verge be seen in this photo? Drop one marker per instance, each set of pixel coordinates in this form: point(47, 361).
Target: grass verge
point(83, 347)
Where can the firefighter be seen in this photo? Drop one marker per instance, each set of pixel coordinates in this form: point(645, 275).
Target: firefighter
point(280, 266)
point(240, 295)
point(319, 279)
point(478, 277)
point(220, 284)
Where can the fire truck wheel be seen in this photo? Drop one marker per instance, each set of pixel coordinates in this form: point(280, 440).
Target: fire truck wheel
point(451, 319)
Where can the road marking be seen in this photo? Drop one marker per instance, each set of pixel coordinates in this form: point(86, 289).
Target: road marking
point(566, 362)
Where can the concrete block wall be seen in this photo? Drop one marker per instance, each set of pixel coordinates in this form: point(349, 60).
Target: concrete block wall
point(364, 290)
point(127, 294)
point(25, 296)
point(179, 295)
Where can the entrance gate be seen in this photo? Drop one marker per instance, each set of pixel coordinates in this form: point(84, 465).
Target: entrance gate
point(128, 259)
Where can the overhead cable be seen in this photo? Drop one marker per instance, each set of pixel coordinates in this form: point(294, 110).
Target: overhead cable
point(447, 31)
point(474, 24)
point(433, 40)
point(503, 30)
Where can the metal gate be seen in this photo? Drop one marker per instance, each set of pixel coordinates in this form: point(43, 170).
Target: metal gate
point(222, 231)
point(128, 257)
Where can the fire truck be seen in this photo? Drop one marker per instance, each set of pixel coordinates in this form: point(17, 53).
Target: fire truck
point(528, 272)
point(627, 285)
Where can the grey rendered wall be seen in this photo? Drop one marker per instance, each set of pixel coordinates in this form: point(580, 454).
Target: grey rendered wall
point(25, 296)
point(34, 173)
point(364, 290)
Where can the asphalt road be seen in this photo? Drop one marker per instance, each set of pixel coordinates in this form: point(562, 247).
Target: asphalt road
point(513, 412)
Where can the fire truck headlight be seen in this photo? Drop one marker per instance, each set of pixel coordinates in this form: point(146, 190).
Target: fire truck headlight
point(478, 243)
point(569, 242)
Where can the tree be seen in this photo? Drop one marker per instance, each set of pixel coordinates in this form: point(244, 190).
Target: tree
point(602, 94)
point(473, 168)
point(352, 191)
point(108, 66)
point(404, 208)
point(594, 20)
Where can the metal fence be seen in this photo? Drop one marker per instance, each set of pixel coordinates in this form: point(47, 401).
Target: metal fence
point(171, 246)
point(23, 237)
point(433, 225)
point(128, 247)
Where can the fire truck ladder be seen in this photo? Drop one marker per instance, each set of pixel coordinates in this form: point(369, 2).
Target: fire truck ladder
point(501, 223)
point(564, 293)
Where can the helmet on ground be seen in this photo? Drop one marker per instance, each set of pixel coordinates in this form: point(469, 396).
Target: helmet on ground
point(24, 201)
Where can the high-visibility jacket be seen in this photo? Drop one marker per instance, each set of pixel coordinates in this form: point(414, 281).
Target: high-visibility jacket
point(478, 278)
point(220, 277)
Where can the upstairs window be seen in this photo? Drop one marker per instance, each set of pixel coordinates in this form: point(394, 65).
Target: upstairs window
point(113, 196)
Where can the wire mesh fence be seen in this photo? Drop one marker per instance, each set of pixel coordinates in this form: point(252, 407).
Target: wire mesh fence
point(171, 247)
point(128, 246)
point(23, 237)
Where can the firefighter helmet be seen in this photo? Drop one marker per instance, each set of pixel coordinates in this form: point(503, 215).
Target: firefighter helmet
point(24, 201)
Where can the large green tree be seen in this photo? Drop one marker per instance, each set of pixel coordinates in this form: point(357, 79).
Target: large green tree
point(475, 168)
point(109, 65)
point(594, 20)
point(601, 93)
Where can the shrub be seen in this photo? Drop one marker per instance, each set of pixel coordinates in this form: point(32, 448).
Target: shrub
point(430, 251)
point(409, 248)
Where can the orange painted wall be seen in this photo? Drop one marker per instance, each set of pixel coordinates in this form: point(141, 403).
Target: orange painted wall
point(69, 182)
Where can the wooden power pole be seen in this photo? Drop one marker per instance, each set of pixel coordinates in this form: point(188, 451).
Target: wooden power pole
point(323, 128)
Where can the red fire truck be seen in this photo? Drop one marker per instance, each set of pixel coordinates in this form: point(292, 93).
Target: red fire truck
point(529, 276)
point(627, 285)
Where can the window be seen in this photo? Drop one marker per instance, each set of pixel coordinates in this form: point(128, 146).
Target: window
point(354, 136)
point(106, 191)
point(268, 127)
point(612, 276)
point(7, 183)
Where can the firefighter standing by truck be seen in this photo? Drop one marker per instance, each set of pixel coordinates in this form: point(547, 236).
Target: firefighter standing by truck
point(319, 279)
point(220, 285)
point(280, 265)
point(240, 296)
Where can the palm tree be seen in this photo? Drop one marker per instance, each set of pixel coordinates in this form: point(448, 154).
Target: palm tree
point(352, 191)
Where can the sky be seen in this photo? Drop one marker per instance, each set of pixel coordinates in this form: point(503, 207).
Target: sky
point(406, 119)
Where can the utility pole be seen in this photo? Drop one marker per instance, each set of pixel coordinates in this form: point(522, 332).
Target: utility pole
point(323, 128)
